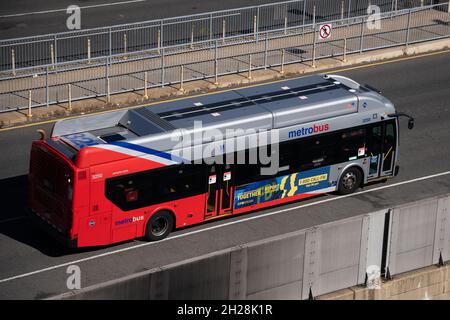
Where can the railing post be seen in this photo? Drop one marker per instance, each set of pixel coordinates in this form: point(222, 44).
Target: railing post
point(162, 33)
point(13, 62)
point(223, 30)
point(46, 87)
point(342, 10)
point(304, 15)
point(216, 64)
point(107, 84)
point(108, 91)
point(361, 42)
point(314, 38)
point(210, 26)
point(349, 10)
point(52, 55)
point(344, 57)
point(314, 17)
point(285, 25)
point(110, 41)
point(254, 27)
point(56, 50)
point(313, 65)
point(266, 44)
point(159, 41)
point(192, 37)
point(145, 86)
point(282, 62)
point(124, 43)
point(181, 89)
point(69, 96)
point(163, 80)
point(408, 28)
point(29, 115)
point(89, 50)
point(249, 76)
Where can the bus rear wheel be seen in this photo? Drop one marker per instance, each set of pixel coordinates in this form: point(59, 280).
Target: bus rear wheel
point(350, 181)
point(159, 226)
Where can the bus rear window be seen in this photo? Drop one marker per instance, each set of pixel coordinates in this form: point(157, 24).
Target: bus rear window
point(51, 173)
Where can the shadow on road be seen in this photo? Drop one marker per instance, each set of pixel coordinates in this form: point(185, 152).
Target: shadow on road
point(14, 222)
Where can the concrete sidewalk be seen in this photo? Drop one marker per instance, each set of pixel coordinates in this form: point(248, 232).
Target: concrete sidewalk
point(136, 98)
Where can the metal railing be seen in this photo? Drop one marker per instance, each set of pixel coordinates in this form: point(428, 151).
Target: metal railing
point(108, 41)
point(177, 64)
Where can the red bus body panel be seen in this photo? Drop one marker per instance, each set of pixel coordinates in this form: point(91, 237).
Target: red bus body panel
point(96, 221)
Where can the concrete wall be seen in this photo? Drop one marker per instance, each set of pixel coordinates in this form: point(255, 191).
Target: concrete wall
point(320, 260)
point(429, 283)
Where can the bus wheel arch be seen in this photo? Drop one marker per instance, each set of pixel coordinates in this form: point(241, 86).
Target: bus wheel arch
point(159, 225)
point(350, 180)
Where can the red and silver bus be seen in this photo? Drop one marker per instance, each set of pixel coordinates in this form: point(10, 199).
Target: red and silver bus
point(142, 172)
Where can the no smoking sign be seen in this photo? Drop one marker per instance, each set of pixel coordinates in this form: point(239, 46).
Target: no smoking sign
point(325, 31)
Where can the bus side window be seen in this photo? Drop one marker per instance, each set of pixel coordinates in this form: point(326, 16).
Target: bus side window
point(316, 151)
point(147, 188)
point(286, 157)
point(351, 142)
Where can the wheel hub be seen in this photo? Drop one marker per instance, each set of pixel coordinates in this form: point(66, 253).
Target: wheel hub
point(349, 180)
point(159, 226)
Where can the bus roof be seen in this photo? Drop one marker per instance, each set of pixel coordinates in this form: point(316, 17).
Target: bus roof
point(269, 106)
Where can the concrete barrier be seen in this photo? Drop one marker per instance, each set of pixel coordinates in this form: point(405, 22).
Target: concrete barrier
point(419, 235)
point(317, 261)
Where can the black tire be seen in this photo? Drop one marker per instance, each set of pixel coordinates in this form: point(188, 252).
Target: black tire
point(159, 226)
point(350, 181)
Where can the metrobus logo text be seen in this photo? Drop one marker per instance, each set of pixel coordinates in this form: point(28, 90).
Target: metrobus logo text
point(309, 130)
point(129, 220)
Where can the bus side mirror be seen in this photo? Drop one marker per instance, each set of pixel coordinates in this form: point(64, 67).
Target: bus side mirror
point(410, 124)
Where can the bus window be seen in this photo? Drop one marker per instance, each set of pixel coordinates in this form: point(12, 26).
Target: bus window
point(374, 143)
point(351, 142)
point(212, 188)
point(226, 186)
point(374, 140)
point(146, 188)
point(389, 146)
point(316, 152)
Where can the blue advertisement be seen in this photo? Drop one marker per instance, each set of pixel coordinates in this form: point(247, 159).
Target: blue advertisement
point(281, 187)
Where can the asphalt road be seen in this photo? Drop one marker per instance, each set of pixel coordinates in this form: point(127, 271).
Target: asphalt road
point(32, 266)
point(21, 18)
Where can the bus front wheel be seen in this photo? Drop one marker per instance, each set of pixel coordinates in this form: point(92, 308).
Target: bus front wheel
point(350, 181)
point(159, 226)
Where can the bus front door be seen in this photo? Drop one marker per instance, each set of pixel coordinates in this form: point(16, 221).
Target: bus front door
point(389, 149)
point(219, 200)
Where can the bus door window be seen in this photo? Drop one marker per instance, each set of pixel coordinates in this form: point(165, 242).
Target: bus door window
point(374, 143)
point(389, 147)
point(212, 191)
point(227, 178)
